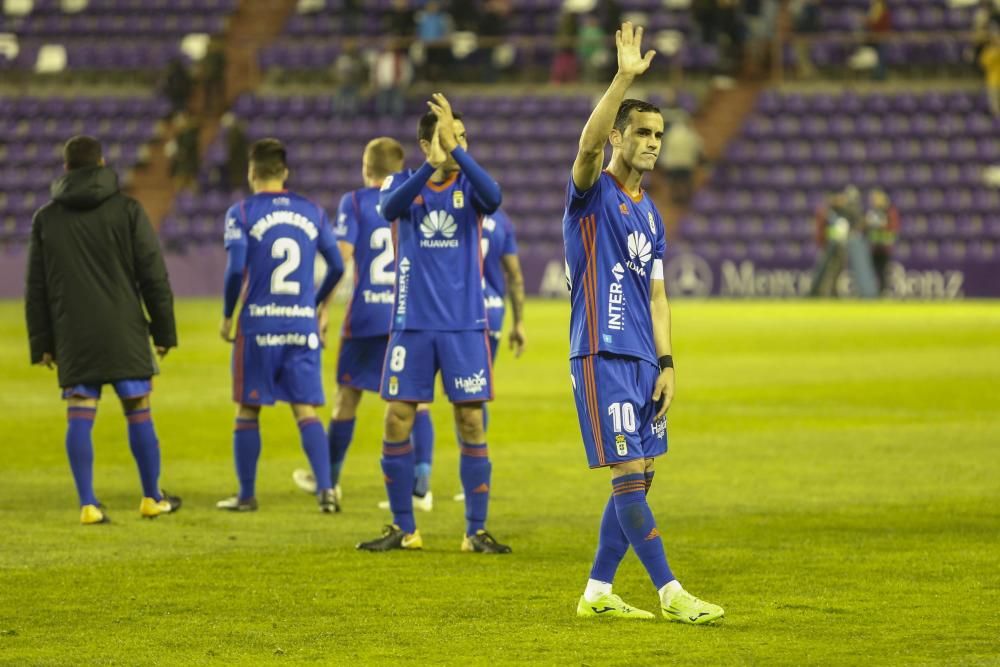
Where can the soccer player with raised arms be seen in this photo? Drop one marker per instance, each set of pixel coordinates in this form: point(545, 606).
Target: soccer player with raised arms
point(272, 238)
point(438, 322)
point(620, 350)
point(364, 235)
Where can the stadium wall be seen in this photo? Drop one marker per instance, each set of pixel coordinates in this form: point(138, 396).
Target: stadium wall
point(199, 273)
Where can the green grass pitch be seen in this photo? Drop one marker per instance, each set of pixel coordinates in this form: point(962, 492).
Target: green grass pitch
point(833, 481)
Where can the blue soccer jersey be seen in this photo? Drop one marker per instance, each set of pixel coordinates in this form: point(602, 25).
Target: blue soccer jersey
point(498, 240)
point(612, 242)
point(439, 272)
point(282, 232)
point(360, 224)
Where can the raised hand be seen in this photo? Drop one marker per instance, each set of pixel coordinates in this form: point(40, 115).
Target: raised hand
point(437, 155)
point(631, 62)
point(446, 121)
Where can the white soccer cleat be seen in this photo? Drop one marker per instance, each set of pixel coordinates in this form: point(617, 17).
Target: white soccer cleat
point(304, 480)
point(459, 497)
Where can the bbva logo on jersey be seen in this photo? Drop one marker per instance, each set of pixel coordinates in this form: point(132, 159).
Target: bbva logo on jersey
point(639, 248)
point(438, 223)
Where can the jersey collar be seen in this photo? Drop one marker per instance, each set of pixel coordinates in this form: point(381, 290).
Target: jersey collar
point(636, 198)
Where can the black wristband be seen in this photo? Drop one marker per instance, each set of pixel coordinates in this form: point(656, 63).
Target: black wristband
point(666, 361)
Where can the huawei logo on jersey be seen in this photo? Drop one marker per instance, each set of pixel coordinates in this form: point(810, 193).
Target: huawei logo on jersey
point(438, 221)
point(639, 248)
point(438, 224)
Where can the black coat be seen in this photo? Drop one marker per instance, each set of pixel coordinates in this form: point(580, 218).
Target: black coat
point(93, 261)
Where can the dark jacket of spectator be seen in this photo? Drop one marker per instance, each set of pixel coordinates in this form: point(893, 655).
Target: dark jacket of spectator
point(93, 262)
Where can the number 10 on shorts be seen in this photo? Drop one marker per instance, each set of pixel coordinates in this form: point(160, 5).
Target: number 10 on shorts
point(622, 419)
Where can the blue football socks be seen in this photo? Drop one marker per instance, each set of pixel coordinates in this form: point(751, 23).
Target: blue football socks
point(246, 451)
point(422, 438)
point(613, 545)
point(317, 450)
point(340, 435)
point(639, 526)
point(145, 450)
point(80, 450)
point(398, 462)
point(475, 469)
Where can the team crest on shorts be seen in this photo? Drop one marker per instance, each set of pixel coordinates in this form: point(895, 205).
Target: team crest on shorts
point(620, 444)
point(393, 385)
point(458, 199)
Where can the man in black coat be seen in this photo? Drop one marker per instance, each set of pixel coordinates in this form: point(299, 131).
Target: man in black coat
point(93, 262)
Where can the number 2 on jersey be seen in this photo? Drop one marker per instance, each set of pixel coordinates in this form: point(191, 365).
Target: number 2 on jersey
point(287, 249)
point(379, 271)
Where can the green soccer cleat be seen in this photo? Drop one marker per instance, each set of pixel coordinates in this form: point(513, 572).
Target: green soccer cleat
point(393, 538)
point(682, 607)
point(610, 606)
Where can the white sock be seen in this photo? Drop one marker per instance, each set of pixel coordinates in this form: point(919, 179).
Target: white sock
point(669, 589)
point(596, 590)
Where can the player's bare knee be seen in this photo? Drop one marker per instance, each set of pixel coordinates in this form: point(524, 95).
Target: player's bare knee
point(133, 404)
point(81, 402)
point(303, 411)
point(247, 411)
point(638, 466)
point(649, 465)
point(345, 406)
point(469, 422)
point(399, 420)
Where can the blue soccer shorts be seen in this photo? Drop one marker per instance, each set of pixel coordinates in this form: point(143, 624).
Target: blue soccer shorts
point(360, 362)
point(495, 338)
point(616, 410)
point(277, 367)
point(413, 359)
point(124, 388)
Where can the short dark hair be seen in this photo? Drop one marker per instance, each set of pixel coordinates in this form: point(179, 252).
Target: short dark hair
point(627, 107)
point(428, 122)
point(82, 151)
point(269, 158)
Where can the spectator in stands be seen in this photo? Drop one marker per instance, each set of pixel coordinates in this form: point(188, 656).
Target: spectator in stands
point(400, 22)
point(761, 20)
point(881, 226)
point(806, 22)
point(213, 76)
point(878, 25)
point(493, 30)
point(349, 73)
point(591, 49)
point(177, 86)
point(834, 221)
point(564, 65)
point(985, 20)
point(990, 60)
point(183, 151)
point(466, 15)
point(237, 152)
point(434, 26)
point(680, 156)
point(392, 75)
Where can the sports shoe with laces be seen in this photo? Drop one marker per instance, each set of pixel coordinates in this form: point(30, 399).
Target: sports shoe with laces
point(483, 543)
point(609, 606)
point(167, 504)
point(328, 501)
point(236, 504)
point(682, 607)
point(91, 515)
point(393, 537)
